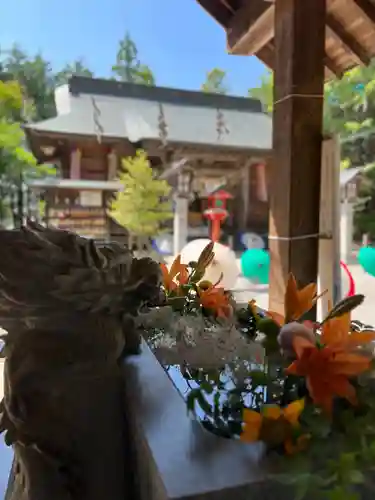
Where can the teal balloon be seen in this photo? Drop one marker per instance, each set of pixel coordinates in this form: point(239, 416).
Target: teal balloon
point(366, 258)
point(255, 265)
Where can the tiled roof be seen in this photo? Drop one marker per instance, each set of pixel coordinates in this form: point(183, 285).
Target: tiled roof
point(134, 111)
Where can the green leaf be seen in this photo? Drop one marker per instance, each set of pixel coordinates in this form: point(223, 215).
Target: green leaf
point(190, 400)
point(193, 264)
point(258, 378)
point(196, 396)
point(206, 387)
point(302, 489)
point(292, 478)
point(345, 305)
point(269, 327)
point(215, 82)
point(356, 477)
point(204, 404)
point(341, 493)
point(217, 411)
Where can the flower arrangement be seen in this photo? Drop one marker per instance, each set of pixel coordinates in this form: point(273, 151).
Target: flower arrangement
point(198, 324)
point(304, 389)
point(185, 290)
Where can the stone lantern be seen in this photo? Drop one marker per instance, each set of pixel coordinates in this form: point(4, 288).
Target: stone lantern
point(181, 209)
point(348, 190)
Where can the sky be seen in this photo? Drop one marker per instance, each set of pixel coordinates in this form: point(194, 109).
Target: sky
point(176, 38)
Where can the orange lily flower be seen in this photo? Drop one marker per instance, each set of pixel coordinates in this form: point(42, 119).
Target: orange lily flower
point(338, 332)
point(275, 426)
point(216, 299)
point(327, 371)
point(178, 272)
point(296, 302)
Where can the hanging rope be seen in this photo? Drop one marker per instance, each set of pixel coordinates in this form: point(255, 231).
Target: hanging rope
point(98, 127)
point(221, 127)
point(163, 127)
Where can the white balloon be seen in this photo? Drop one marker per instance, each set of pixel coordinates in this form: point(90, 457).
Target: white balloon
point(252, 240)
point(224, 262)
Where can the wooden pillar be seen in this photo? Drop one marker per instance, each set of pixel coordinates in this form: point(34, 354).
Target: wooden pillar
point(75, 164)
point(297, 143)
point(245, 187)
point(112, 162)
point(180, 220)
point(262, 193)
point(329, 247)
point(346, 229)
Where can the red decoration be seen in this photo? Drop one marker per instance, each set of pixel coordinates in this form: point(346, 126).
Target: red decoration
point(351, 291)
point(217, 211)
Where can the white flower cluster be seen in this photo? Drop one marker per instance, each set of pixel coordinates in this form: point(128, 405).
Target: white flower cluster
point(196, 341)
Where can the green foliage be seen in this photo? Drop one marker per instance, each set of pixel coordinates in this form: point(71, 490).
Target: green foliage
point(128, 67)
point(14, 159)
point(364, 219)
point(34, 74)
point(37, 80)
point(215, 82)
point(77, 68)
point(345, 163)
point(11, 134)
point(141, 207)
point(348, 103)
point(349, 108)
point(340, 456)
point(264, 92)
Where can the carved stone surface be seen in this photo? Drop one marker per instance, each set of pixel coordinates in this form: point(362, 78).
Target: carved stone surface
point(68, 305)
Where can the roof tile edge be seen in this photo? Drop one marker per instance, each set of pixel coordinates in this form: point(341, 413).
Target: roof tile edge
point(98, 86)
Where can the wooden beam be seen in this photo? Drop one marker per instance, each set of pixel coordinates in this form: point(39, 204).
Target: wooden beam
point(368, 8)
point(267, 56)
point(332, 67)
point(349, 43)
point(328, 75)
point(217, 10)
point(229, 6)
point(297, 143)
point(251, 28)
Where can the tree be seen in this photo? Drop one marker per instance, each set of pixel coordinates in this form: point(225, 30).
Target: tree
point(77, 68)
point(215, 82)
point(264, 93)
point(35, 76)
point(11, 134)
point(143, 205)
point(128, 67)
point(14, 159)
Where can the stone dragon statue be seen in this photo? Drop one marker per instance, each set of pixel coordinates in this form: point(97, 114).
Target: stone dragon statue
point(68, 305)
